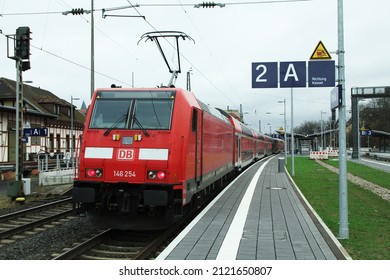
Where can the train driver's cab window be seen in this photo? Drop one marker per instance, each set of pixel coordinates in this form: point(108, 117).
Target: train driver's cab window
point(109, 113)
point(152, 114)
point(132, 114)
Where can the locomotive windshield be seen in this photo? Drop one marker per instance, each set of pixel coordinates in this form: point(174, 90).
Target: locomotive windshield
point(133, 110)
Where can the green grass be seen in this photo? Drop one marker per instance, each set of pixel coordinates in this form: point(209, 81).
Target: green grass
point(369, 215)
point(370, 174)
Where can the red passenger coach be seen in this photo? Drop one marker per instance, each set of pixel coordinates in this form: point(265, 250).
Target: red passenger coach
point(147, 154)
point(249, 145)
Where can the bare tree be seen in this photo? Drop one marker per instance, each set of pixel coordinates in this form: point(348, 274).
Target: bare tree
point(375, 114)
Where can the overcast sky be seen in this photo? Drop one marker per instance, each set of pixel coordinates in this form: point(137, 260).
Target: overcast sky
point(227, 41)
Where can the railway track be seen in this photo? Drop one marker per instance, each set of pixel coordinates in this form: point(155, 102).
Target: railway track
point(21, 223)
point(112, 245)
point(132, 245)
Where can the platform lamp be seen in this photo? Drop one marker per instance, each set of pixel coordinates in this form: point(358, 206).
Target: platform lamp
point(285, 131)
point(71, 129)
point(322, 131)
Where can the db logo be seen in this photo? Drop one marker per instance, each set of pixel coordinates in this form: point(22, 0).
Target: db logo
point(125, 154)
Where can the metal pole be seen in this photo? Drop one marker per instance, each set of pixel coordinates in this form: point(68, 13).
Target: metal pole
point(18, 134)
point(322, 137)
point(189, 80)
point(292, 134)
point(358, 121)
point(92, 51)
point(71, 131)
point(285, 133)
point(343, 187)
point(17, 125)
point(330, 134)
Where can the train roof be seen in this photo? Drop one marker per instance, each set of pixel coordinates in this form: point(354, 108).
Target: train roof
point(239, 126)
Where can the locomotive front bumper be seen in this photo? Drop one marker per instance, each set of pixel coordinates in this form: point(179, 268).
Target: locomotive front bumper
point(93, 192)
point(84, 195)
point(126, 206)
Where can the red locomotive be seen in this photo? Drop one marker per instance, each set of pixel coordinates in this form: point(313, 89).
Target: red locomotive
point(147, 155)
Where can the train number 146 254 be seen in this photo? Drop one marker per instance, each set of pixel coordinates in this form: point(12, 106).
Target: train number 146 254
point(124, 173)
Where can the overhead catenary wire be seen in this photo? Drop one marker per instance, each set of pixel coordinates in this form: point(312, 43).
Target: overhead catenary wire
point(211, 3)
point(185, 58)
point(135, 8)
point(72, 62)
point(41, 48)
point(78, 64)
point(158, 5)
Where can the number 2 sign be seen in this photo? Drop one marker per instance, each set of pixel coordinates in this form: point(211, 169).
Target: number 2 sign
point(265, 75)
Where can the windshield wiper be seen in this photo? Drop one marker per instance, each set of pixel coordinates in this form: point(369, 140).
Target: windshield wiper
point(114, 125)
point(140, 126)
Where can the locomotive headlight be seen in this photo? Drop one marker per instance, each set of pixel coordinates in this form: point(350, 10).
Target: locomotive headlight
point(156, 174)
point(152, 174)
point(98, 172)
point(94, 172)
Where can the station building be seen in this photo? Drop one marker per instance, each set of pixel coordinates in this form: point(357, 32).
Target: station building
point(41, 109)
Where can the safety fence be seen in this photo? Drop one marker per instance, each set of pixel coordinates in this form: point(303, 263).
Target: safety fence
point(324, 155)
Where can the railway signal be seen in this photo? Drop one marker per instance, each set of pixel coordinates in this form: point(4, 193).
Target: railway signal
point(22, 46)
point(21, 43)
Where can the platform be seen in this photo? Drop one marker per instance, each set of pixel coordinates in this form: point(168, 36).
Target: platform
point(258, 216)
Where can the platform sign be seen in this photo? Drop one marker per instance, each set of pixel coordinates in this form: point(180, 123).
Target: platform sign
point(335, 97)
point(322, 73)
point(35, 131)
point(366, 132)
point(293, 74)
point(264, 75)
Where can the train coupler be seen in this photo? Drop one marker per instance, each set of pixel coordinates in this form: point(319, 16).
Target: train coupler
point(126, 204)
point(78, 209)
point(152, 211)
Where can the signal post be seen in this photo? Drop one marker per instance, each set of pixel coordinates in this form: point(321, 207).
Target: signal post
point(21, 54)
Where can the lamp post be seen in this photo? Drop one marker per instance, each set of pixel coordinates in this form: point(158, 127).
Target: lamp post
point(285, 131)
point(360, 130)
point(322, 132)
point(269, 113)
point(270, 128)
point(71, 129)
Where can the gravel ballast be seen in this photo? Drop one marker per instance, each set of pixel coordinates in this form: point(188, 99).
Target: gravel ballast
point(42, 245)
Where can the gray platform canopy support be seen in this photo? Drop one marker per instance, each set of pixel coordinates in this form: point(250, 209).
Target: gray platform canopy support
point(155, 36)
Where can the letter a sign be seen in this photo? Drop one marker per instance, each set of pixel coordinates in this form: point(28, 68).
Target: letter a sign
point(293, 74)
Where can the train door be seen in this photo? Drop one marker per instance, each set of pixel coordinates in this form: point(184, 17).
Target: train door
point(238, 143)
point(197, 127)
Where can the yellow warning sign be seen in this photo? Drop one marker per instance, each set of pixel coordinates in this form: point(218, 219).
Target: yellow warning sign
point(320, 52)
